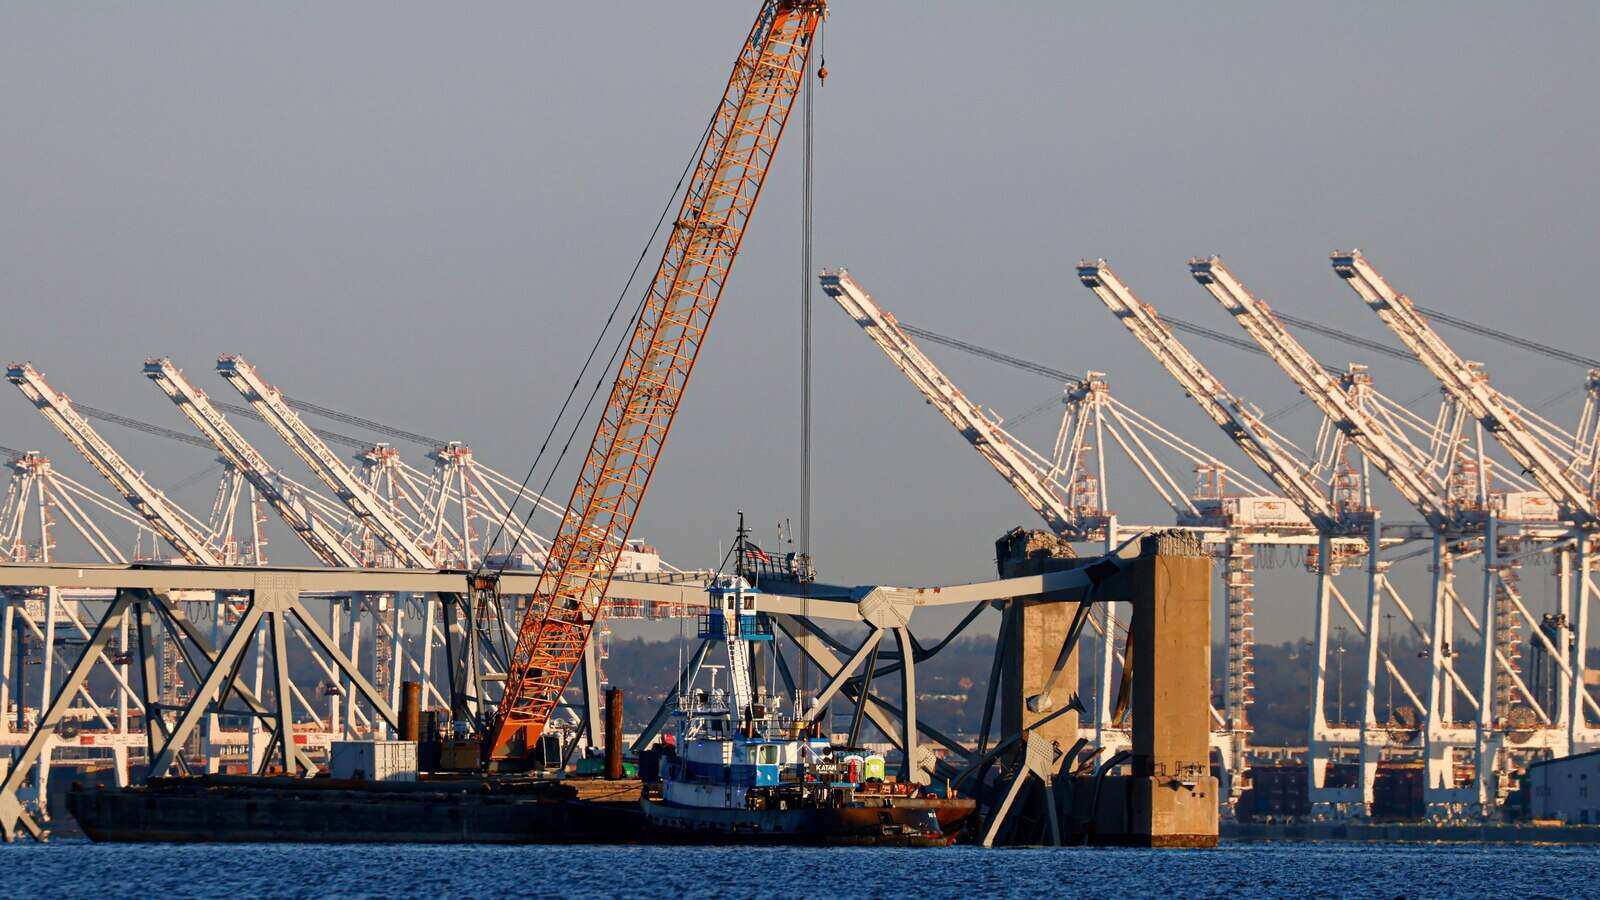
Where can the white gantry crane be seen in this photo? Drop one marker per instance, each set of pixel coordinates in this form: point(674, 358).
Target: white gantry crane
point(1467, 383)
point(984, 434)
point(37, 493)
point(317, 535)
point(174, 526)
point(1528, 441)
point(1332, 494)
point(355, 493)
point(1243, 426)
point(1396, 461)
point(1068, 491)
point(1429, 475)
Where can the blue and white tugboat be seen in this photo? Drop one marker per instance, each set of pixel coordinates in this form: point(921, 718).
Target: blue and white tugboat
point(742, 770)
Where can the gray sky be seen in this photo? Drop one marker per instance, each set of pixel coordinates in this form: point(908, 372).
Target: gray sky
point(421, 215)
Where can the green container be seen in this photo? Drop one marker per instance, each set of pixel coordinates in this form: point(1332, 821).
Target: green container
point(595, 766)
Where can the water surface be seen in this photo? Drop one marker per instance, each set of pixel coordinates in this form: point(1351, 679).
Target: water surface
point(76, 868)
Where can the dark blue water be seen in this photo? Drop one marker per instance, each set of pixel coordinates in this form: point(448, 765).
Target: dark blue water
point(77, 869)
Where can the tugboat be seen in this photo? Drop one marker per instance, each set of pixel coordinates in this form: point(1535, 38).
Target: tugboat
point(740, 770)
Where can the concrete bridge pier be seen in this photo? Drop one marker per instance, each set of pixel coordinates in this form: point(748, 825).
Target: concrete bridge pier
point(1162, 793)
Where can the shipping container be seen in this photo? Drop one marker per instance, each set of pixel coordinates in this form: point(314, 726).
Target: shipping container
point(374, 760)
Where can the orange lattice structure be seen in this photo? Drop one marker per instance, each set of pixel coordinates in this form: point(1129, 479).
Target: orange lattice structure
point(666, 339)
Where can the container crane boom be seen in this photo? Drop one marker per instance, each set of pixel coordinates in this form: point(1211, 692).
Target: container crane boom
point(1467, 384)
point(982, 433)
point(167, 520)
point(1243, 427)
point(1358, 424)
point(196, 406)
point(352, 491)
point(666, 339)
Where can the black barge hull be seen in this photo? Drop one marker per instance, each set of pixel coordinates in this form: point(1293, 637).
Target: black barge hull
point(232, 810)
point(901, 822)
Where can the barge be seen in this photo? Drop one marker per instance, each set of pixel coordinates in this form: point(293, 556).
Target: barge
point(232, 808)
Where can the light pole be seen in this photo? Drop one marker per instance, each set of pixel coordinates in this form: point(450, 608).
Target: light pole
point(1388, 651)
point(1340, 718)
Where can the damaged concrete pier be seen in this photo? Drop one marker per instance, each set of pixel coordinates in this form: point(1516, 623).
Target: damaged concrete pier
point(1159, 793)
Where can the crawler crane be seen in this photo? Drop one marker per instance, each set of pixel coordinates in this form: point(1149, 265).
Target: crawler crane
point(658, 359)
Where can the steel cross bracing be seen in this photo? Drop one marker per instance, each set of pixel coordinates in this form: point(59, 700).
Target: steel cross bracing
point(47, 619)
point(659, 358)
point(321, 540)
point(155, 617)
point(1586, 436)
point(1468, 385)
point(1243, 426)
point(164, 517)
point(44, 618)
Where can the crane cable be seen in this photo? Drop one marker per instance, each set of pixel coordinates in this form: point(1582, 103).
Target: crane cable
point(805, 307)
point(600, 379)
point(1508, 338)
point(807, 95)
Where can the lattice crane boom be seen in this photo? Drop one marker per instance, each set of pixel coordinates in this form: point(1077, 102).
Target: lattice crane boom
point(1467, 384)
point(357, 496)
point(982, 433)
point(152, 505)
point(196, 406)
point(1243, 427)
point(1358, 424)
point(732, 166)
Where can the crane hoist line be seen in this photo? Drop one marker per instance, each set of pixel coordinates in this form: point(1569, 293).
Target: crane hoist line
point(731, 168)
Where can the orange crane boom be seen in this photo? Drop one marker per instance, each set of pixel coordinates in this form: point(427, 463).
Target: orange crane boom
point(666, 339)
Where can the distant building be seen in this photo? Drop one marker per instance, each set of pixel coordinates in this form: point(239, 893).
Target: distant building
point(1567, 789)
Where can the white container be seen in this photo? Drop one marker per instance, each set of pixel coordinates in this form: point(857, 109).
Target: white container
point(875, 767)
point(374, 760)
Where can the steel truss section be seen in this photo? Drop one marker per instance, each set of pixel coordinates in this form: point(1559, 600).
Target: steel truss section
point(171, 662)
point(144, 602)
point(141, 609)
